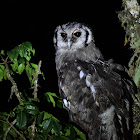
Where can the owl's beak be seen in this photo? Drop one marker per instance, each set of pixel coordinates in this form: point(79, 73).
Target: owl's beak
point(69, 42)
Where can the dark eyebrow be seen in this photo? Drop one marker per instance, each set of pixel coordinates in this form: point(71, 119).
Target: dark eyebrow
point(62, 28)
point(87, 34)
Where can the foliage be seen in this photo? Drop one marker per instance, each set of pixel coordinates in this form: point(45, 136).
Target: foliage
point(130, 18)
point(26, 121)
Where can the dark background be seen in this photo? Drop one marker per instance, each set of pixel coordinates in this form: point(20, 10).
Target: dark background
point(36, 23)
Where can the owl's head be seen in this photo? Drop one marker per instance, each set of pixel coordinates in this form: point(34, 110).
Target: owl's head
point(72, 36)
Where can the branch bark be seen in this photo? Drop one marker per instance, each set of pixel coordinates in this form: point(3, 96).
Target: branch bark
point(14, 85)
point(33, 129)
point(36, 79)
point(12, 126)
point(35, 95)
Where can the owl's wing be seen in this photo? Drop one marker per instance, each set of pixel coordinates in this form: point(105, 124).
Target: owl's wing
point(98, 98)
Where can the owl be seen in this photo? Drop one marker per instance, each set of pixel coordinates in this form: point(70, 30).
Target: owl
point(97, 93)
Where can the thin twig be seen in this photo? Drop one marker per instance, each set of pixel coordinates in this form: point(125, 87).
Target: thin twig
point(12, 126)
point(36, 79)
point(33, 129)
point(5, 135)
point(14, 85)
point(35, 95)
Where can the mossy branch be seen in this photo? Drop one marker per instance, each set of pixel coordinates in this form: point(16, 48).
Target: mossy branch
point(130, 18)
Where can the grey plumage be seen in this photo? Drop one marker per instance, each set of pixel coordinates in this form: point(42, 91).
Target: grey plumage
point(96, 92)
point(88, 53)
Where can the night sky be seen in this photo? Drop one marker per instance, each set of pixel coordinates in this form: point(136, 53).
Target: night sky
point(26, 22)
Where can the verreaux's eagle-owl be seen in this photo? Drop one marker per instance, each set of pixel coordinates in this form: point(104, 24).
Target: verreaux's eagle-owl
point(96, 92)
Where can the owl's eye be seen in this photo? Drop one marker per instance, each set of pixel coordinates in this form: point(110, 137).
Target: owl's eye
point(77, 34)
point(64, 35)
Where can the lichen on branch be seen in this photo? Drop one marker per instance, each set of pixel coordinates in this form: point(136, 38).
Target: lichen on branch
point(130, 18)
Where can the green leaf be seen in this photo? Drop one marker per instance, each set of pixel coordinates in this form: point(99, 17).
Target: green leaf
point(14, 66)
point(27, 46)
point(60, 138)
point(43, 75)
point(40, 118)
point(47, 125)
point(21, 118)
point(21, 60)
point(13, 54)
point(35, 99)
point(31, 109)
point(13, 133)
point(33, 71)
point(2, 67)
point(5, 74)
point(52, 94)
point(67, 133)
point(47, 97)
point(1, 75)
point(72, 132)
point(22, 50)
point(39, 137)
point(52, 100)
point(54, 118)
point(12, 114)
point(29, 73)
point(81, 134)
point(28, 58)
point(35, 66)
point(2, 52)
point(21, 68)
point(5, 126)
point(60, 104)
point(3, 115)
point(46, 116)
point(2, 70)
point(56, 126)
point(33, 51)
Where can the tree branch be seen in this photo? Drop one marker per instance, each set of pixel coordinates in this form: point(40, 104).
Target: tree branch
point(33, 129)
point(12, 126)
point(14, 85)
point(35, 95)
point(36, 79)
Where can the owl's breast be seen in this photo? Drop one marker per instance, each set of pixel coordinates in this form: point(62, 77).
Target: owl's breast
point(79, 92)
point(95, 96)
